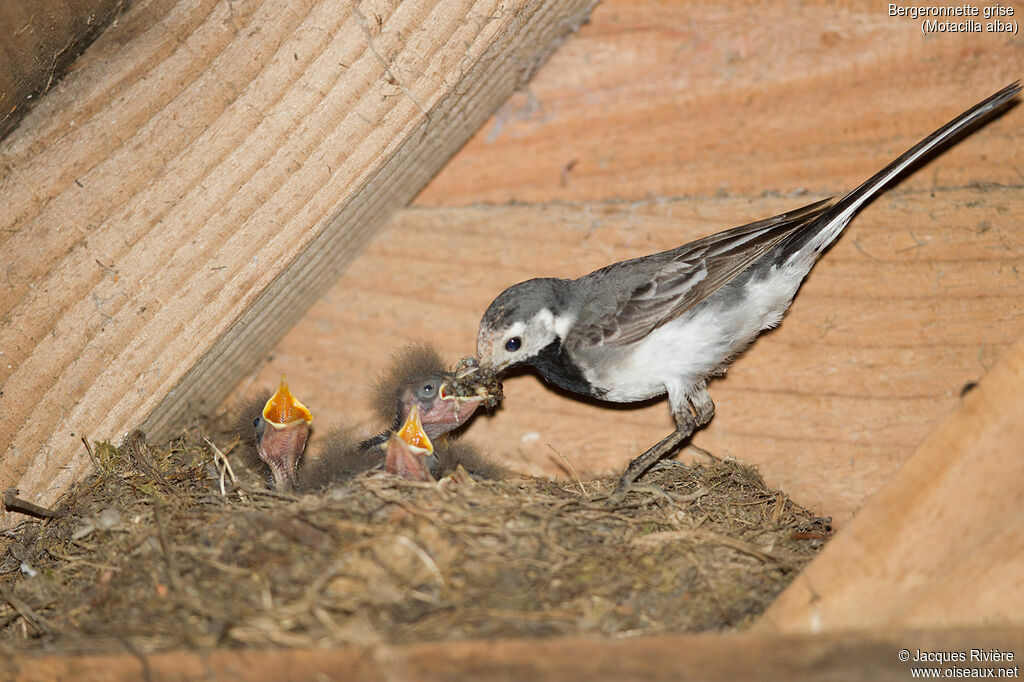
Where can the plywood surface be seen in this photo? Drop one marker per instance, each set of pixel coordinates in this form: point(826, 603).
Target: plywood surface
point(176, 204)
point(940, 545)
point(871, 655)
point(662, 99)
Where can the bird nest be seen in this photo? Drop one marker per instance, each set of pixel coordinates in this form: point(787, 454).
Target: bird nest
point(160, 550)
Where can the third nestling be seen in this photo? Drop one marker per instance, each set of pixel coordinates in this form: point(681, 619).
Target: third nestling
point(277, 426)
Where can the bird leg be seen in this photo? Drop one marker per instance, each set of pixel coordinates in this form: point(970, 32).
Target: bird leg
point(703, 406)
point(685, 426)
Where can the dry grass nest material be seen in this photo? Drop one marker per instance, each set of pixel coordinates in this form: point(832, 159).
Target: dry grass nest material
point(150, 555)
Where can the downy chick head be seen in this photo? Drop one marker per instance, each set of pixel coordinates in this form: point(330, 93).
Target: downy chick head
point(418, 378)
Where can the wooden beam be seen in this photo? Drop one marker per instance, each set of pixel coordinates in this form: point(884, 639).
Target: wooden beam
point(941, 544)
point(741, 656)
point(659, 99)
point(38, 43)
point(179, 201)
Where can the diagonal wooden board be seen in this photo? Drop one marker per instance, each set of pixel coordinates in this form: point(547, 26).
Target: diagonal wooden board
point(658, 123)
point(38, 43)
point(940, 545)
point(206, 171)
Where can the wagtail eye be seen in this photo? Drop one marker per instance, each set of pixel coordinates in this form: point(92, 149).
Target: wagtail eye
point(256, 421)
point(427, 391)
point(513, 344)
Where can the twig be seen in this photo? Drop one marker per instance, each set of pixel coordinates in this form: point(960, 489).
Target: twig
point(700, 492)
point(92, 455)
point(223, 465)
point(572, 469)
point(704, 452)
point(161, 531)
point(23, 609)
point(422, 555)
point(136, 449)
point(14, 503)
point(655, 539)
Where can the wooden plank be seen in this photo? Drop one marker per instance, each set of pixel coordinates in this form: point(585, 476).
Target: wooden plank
point(941, 544)
point(659, 99)
point(38, 43)
point(176, 204)
point(864, 656)
point(918, 299)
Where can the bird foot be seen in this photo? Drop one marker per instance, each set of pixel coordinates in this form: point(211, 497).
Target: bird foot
point(459, 477)
point(641, 464)
point(669, 464)
point(624, 487)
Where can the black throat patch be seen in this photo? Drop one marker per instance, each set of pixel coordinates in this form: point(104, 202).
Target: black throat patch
point(562, 371)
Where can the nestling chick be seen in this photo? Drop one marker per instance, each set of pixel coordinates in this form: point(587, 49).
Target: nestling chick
point(339, 457)
point(412, 396)
point(411, 454)
point(278, 426)
point(451, 455)
point(419, 377)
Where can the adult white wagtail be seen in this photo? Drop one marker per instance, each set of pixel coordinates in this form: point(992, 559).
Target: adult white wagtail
point(667, 322)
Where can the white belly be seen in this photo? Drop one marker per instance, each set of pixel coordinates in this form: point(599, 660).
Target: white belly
point(682, 354)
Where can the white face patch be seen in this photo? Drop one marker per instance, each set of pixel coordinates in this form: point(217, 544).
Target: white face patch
point(524, 340)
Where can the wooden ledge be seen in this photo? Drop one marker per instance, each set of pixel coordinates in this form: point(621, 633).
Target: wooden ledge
point(872, 655)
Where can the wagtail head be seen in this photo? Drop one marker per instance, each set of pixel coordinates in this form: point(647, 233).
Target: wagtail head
point(524, 320)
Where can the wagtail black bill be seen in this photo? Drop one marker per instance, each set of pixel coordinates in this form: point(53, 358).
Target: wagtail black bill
point(668, 322)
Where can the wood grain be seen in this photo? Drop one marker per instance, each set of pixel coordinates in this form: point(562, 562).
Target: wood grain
point(940, 545)
point(869, 655)
point(38, 43)
point(660, 99)
point(176, 204)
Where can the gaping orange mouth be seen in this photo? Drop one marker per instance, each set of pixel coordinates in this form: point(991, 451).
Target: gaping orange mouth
point(284, 409)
